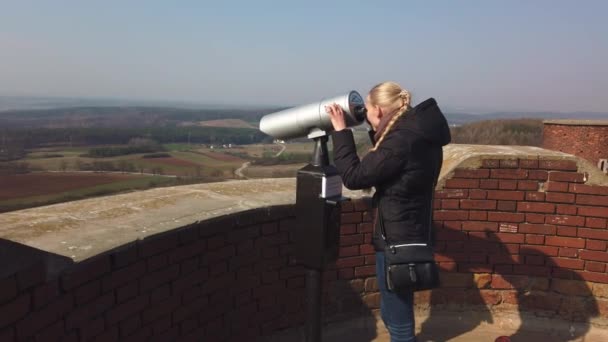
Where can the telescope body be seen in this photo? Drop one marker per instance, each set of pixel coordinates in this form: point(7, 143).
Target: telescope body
point(303, 120)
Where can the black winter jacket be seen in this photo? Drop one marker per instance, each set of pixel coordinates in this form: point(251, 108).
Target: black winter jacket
point(404, 170)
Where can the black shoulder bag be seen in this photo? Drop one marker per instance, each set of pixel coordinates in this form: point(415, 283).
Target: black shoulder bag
point(409, 265)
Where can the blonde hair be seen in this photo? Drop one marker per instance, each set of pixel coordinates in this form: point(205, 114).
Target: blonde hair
point(392, 99)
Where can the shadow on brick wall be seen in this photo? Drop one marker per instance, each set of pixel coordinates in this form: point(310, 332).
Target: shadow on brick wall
point(486, 276)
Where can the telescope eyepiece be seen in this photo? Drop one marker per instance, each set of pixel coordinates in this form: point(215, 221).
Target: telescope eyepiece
point(360, 113)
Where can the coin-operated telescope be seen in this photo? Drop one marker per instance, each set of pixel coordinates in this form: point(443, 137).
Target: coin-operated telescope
point(318, 192)
point(312, 119)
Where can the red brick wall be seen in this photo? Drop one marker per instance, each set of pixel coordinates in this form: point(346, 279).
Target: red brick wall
point(588, 142)
point(225, 279)
point(532, 233)
point(525, 235)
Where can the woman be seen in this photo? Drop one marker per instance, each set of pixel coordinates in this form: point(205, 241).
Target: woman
point(403, 166)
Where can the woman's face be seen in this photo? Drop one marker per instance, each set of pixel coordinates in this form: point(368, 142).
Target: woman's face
point(374, 113)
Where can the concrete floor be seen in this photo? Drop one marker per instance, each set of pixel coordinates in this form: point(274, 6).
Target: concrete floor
point(454, 327)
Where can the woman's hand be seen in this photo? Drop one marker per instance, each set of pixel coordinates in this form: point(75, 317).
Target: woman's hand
point(336, 114)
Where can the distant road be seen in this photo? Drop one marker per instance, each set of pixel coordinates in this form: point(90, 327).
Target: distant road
point(239, 172)
point(283, 147)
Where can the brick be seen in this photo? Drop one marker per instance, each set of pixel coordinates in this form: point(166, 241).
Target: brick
point(596, 245)
point(571, 177)
point(31, 276)
point(565, 242)
point(505, 195)
point(566, 231)
point(592, 200)
point(528, 163)
point(126, 292)
point(505, 184)
point(478, 204)
point(588, 189)
point(475, 215)
point(594, 277)
point(51, 313)
point(510, 237)
point(538, 260)
point(83, 314)
point(592, 266)
point(562, 165)
point(190, 250)
point(462, 183)
point(157, 262)
point(160, 309)
point(591, 233)
point(529, 185)
point(362, 204)
point(490, 163)
point(354, 217)
point(595, 222)
point(449, 204)
point(157, 244)
point(347, 229)
point(14, 310)
point(535, 218)
point(565, 209)
point(85, 271)
point(480, 226)
point(111, 334)
point(538, 175)
point(124, 275)
point(574, 264)
point(556, 186)
point(8, 289)
point(593, 211)
point(129, 326)
point(506, 217)
point(570, 287)
point(568, 252)
point(53, 332)
point(488, 184)
point(451, 193)
point(351, 240)
point(538, 271)
point(558, 197)
point(126, 309)
point(91, 329)
point(348, 251)
point(509, 163)
point(365, 271)
point(451, 215)
point(350, 262)
point(365, 228)
point(506, 206)
point(509, 174)
point(124, 255)
point(154, 279)
point(594, 255)
point(534, 239)
point(539, 250)
point(477, 194)
point(471, 173)
point(536, 207)
point(565, 220)
point(537, 229)
point(347, 207)
point(45, 293)
point(535, 196)
point(87, 292)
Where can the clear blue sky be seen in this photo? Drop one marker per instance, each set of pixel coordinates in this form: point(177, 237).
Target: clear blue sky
point(470, 55)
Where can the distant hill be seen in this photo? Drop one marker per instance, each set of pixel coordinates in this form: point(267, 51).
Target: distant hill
point(236, 123)
point(528, 132)
point(462, 118)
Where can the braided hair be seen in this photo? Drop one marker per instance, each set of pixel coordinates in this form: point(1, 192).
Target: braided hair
point(390, 95)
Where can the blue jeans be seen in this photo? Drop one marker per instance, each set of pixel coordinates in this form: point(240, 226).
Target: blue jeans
point(396, 309)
